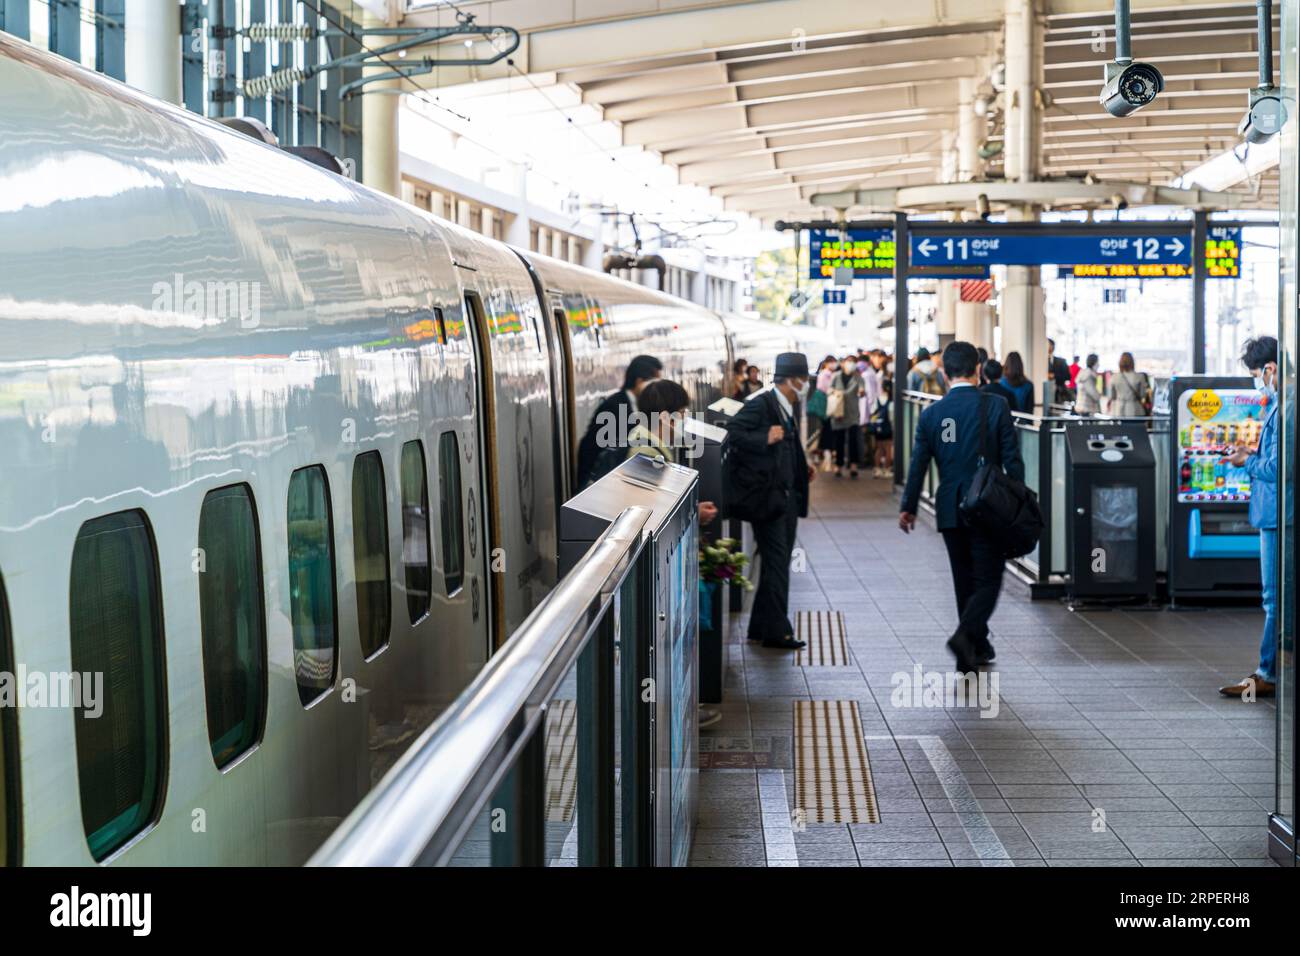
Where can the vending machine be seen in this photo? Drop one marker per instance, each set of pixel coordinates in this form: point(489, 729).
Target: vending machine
point(1213, 550)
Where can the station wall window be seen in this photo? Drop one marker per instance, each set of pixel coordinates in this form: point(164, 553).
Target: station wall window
point(312, 604)
point(415, 530)
point(232, 616)
point(370, 553)
point(449, 506)
point(9, 802)
point(116, 626)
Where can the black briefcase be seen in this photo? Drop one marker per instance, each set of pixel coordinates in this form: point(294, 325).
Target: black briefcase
point(999, 505)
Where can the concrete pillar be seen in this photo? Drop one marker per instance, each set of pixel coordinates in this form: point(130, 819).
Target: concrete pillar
point(1022, 317)
point(969, 164)
point(380, 163)
point(519, 233)
point(1024, 38)
point(975, 324)
point(945, 313)
point(153, 47)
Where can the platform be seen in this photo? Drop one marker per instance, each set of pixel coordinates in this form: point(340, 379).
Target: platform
point(1110, 745)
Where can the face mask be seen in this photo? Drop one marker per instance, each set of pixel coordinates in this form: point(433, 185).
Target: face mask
point(1268, 391)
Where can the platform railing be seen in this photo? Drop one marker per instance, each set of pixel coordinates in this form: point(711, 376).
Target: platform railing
point(1042, 446)
point(482, 764)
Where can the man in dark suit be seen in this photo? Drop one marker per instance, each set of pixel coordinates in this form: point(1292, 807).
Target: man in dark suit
point(1058, 370)
point(614, 415)
point(992, 369)
point(948, 433)
point(764, 436)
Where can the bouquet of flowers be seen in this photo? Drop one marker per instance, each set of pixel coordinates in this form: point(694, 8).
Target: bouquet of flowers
point(724, 562)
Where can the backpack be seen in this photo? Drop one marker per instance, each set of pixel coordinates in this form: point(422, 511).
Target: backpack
point(930, 383)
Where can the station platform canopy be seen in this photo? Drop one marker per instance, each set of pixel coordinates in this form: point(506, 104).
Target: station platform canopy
point(763, 105)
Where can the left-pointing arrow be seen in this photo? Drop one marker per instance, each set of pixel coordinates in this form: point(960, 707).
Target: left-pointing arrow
point(925, 247)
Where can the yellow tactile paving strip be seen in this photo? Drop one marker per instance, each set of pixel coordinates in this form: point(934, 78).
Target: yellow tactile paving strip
point(832, 782)
point(824, 632)
point(561, 760)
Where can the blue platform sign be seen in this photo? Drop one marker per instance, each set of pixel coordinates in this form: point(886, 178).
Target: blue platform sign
point(1040, 250)
point(835, 296)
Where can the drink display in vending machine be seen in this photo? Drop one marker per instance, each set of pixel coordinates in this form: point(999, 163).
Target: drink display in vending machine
point(1204, 445)
point(1212, 548)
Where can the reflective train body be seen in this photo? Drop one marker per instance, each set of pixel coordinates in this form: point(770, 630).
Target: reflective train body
point(280, 460)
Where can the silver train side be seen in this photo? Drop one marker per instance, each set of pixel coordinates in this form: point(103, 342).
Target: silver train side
point(367, 324)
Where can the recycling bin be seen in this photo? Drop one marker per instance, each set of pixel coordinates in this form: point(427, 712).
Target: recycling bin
point(1110, 508)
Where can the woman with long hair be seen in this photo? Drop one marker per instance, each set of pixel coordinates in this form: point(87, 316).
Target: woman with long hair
point(1013, 377)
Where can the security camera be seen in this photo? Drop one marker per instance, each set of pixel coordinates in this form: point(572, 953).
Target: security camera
point(982, 206)
point(1129, 87)
point(1264, 118)
point(1120, 202)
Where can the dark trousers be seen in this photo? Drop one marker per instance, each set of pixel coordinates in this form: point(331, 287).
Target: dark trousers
point(976, 580)
point(770, 615)
point(848, 446)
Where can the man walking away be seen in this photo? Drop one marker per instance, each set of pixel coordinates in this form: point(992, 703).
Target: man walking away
point(1260, 356)
point(769, 462)
point(948, 433)
point(614, 415)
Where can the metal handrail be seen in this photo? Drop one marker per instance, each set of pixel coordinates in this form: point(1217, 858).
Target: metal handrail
point(420, 812)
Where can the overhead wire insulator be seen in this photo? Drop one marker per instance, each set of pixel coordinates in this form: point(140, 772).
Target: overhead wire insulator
point(282, 32)
point(276, 82)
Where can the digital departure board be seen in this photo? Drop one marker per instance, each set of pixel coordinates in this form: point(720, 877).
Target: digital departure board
point(869, 251)
point(1222, 252)
point(1125, 270)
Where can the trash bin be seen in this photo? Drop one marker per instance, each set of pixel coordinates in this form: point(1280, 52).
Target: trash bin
point(1110, 511)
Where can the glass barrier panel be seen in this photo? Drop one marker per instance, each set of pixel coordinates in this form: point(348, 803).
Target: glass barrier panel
point(560, 734)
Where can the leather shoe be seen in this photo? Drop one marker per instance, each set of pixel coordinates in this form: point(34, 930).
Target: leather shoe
point(1262, 688)
point(964, 650)
point(984, 653)
point(784, 643)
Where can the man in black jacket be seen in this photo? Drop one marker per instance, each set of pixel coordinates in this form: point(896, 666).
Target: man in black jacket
point(948, 433)
point(614, 414)
point(764, 437)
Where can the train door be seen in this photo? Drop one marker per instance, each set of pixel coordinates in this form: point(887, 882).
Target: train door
point(490, 497)
point(562, 394)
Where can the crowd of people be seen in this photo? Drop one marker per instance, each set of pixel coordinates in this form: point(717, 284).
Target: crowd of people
point(848, 408)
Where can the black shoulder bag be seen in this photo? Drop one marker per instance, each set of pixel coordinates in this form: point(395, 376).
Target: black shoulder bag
point(999, 505)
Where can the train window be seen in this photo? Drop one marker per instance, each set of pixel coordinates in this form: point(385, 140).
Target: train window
point(370, 553)
point(116, 627)
point(8, 750)
point(233, 622)
point(449, 507)
point(312, 607)
point(415, 530)
point(442, 325)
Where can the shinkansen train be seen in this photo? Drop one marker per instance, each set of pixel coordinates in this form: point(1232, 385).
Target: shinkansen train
point(280, 465)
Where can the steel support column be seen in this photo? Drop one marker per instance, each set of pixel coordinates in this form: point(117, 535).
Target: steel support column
point(1200, 232)
point(902, 263)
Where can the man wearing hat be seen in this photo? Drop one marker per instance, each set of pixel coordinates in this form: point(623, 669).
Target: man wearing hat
point(768, 456)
